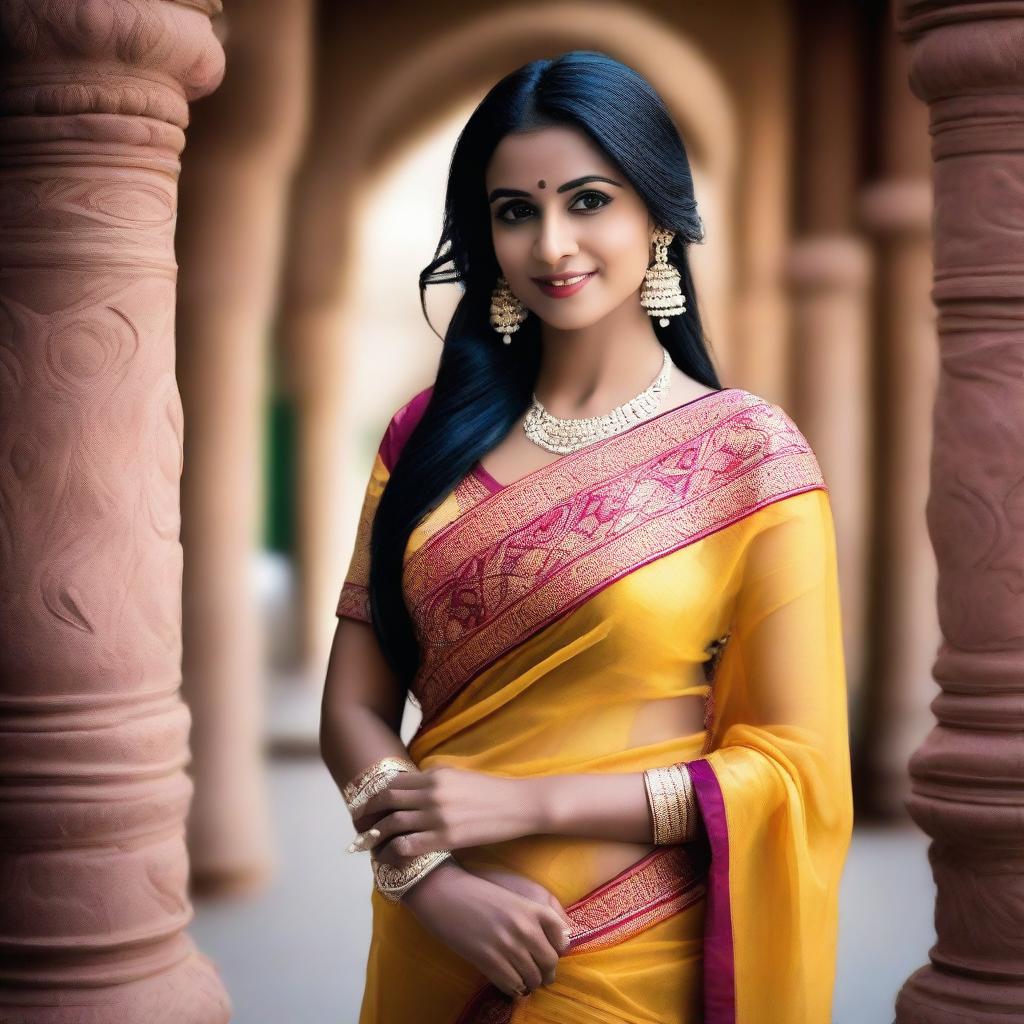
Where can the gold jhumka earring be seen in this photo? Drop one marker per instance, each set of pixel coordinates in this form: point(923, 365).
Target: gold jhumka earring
point(660, 293)
point(507, 312)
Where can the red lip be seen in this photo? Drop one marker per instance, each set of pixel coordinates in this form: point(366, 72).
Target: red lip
point(562, 291)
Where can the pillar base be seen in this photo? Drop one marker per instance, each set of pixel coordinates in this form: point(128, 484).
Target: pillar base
point(930, 996)
point(188, 990)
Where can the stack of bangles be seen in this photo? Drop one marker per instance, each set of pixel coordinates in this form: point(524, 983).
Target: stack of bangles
point(392, 882)
point(673, 804)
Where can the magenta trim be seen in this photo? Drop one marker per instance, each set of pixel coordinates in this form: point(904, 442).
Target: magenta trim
point(719, 962)
point(402, 424)
point(494, 486)
point(486, 479)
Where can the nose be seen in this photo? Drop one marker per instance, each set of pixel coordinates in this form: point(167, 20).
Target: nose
point(555, 240)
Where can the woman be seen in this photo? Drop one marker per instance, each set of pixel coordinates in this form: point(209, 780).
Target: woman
point(629, 795)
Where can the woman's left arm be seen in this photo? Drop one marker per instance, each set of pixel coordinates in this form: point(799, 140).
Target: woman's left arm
point(451, 808)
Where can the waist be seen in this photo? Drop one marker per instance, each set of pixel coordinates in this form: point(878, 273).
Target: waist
point(573, 869)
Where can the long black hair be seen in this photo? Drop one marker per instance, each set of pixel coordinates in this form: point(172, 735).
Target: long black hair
point(483, 386)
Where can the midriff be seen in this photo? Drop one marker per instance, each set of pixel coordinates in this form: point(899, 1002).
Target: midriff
point(571, 866)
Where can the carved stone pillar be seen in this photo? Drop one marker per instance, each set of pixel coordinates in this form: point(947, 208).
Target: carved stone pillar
point(829, 277)
point(93, 733)
point(896, 207)
point(967, 789)
point(243, 144)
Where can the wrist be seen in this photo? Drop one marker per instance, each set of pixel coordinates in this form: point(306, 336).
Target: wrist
point(545, 802)
point(433, 883)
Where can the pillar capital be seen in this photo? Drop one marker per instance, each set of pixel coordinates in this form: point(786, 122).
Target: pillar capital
point(146, 59)
point(986, 58)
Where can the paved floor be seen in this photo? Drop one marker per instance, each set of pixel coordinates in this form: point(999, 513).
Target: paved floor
point(296, 954)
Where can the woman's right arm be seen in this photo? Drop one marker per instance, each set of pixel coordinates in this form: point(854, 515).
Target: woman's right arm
point(511, 934)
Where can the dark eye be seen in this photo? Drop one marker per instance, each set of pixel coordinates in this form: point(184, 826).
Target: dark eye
point(604, 200)
point(512, 206)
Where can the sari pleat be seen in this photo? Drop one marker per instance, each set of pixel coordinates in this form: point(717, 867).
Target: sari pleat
point(564, 620)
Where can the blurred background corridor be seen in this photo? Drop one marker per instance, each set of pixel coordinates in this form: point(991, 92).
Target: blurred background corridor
point(275, 281)
point(310, 198)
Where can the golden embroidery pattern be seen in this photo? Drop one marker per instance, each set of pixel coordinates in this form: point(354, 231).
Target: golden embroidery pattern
point(539, 547)
point(354, 600)
point(665, 882)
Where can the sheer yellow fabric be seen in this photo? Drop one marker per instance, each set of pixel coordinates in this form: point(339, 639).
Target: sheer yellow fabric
point(598, 690)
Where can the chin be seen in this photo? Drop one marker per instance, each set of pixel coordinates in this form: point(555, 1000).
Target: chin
point(576, 321)
point(575, 324)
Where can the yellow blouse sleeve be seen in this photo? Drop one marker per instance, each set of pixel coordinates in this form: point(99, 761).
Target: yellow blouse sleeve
point(354, 601)
point(775, 789)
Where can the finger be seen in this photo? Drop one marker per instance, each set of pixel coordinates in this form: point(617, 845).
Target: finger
point(561, 911)
point(521, 958)
point(391, 826)
point(556, 930)
point(393, 850)
point(545, 955)
point(363, 841)
point(391, 799)
point(502, 974)
point(409, 780)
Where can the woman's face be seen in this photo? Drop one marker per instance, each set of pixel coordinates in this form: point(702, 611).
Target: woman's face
point(560, 207)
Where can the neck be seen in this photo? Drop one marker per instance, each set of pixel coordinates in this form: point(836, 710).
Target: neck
point(588, 372)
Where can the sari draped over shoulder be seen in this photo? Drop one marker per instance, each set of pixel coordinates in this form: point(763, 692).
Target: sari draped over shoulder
point(561, 618)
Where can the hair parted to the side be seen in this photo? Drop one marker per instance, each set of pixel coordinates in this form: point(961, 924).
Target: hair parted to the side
point(483, 386)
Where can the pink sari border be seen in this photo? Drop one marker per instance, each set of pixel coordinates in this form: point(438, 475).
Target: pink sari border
point(719, 964)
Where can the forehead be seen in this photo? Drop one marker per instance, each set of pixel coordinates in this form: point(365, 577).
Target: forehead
point(555, 154)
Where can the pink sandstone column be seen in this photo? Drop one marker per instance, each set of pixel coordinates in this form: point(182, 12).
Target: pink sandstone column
point(243, 144)
point(93, 733)
point(896, 206)
point(968, 776)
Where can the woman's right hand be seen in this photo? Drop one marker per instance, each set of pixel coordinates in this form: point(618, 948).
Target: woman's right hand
point(513, 939)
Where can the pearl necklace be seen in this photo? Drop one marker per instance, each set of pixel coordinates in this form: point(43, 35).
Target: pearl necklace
point(568, 435)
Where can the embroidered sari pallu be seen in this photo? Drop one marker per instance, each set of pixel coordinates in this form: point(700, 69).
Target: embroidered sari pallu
point(568, 622)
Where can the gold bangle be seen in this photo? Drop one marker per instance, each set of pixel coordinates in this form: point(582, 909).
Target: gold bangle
point(680, 783)
point(693, 818)
point(672, 803)
point(373, 779)
point(385, 763)
point(394, 882)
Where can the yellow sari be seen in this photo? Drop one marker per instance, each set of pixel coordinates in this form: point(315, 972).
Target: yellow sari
point(691, 556)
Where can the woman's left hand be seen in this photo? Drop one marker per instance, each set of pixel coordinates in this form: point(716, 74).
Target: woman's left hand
point(445, 808)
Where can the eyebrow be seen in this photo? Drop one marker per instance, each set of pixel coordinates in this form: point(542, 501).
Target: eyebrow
point(501, 193)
